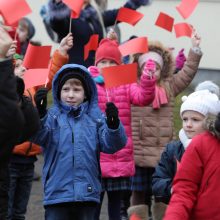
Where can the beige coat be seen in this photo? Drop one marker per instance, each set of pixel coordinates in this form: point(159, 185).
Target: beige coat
point(153, 129)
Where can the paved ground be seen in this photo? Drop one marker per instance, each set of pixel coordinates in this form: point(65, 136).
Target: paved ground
point(35, 208)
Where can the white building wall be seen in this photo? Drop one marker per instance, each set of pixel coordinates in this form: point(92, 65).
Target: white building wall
point(205, 19)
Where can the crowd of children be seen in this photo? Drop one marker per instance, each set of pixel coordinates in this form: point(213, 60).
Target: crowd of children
point(119, 141)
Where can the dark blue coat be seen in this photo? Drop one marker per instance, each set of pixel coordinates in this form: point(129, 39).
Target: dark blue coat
point(166, 170)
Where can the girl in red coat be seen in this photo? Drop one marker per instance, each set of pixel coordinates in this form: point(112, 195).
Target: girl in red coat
point(196, 190)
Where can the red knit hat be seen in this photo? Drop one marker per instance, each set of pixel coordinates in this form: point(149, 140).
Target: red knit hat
point(108, 49)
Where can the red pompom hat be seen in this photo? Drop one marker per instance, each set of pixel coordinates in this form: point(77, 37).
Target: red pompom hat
point(108, 49)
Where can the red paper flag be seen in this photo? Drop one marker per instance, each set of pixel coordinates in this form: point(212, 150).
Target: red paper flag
point(13, 10)
point(91, 45)
point(129, 16)
point(120, 75)
point(187, 7)
point(165, 21)
point(182, 30)
point(35, 77)
point(134, 217)
point(136, 45)
point(37, 57)
point(75, 6)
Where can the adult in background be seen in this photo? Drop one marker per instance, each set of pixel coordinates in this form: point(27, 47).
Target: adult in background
point(91, 21)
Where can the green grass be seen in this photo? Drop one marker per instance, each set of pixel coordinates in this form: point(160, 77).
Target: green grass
point(177, 119)
point(49, 99)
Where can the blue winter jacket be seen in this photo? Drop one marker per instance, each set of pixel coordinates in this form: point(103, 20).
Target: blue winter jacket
point(165, 171)
point(72, 143)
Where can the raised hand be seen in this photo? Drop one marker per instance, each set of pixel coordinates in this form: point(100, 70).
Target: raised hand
point(12, 50)
point(66, 44)
point(196, 39)
point(40, 99)
point(150, 68)
point(180, 59)
point(112, 115)
point(112, 35)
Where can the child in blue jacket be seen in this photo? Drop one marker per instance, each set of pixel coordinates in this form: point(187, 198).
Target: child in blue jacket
point(73, 132)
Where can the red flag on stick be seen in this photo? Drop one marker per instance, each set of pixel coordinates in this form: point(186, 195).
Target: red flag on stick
point(129, 16)
point(120, 75)
point(14, 10)
point(165, 21)
point(35, 77)
point(37, 57)
point(136, 45)
point(75, 6)
point(91, 45)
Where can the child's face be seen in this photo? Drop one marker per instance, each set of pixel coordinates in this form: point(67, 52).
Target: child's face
point(22, 33)
point(19, 68)
point(193, 123)
point(105, 63)
point(72, 92)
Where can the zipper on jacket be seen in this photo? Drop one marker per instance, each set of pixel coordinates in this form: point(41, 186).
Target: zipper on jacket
point(72, 137)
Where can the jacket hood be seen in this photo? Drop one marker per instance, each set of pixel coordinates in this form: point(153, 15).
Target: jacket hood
point(86, 75)
point(166, 54)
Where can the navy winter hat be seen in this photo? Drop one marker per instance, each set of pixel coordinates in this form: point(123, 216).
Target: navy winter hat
point(63, 77)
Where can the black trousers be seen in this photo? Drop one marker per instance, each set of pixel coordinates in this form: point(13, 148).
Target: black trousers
point(4, 186)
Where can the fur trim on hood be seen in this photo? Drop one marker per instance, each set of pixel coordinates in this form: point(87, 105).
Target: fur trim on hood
point(168, 59)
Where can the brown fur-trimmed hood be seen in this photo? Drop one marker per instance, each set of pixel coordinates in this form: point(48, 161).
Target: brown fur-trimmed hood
point(169, 67)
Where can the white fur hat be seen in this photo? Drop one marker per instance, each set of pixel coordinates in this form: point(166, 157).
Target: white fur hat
point(202, 101)
point(209, 85)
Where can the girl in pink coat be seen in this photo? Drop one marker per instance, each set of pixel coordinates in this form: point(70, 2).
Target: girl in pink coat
point(119, 167)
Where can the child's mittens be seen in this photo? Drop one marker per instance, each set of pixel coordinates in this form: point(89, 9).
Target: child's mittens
point(149, 68)
point(40, 99)
point(180, 59)
point(112, 115)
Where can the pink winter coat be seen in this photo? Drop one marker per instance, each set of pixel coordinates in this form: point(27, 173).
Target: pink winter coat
point(121, 163)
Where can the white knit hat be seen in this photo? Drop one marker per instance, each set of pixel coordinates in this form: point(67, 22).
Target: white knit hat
point(209, 85)
point(202, 101)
